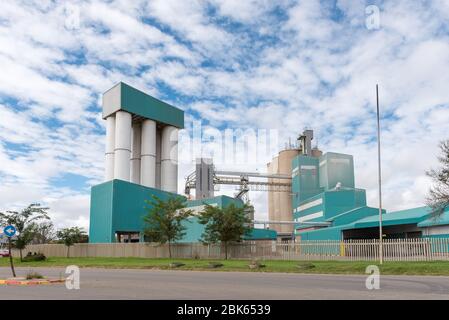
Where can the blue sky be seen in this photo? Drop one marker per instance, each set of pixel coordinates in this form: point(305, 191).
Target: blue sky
point(234, 64)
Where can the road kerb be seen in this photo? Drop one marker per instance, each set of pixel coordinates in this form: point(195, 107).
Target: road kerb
point(32, 282)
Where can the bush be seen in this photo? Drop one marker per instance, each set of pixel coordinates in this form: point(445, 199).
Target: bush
point(176, 264)
point(305, 266)
point(34, 275)
point(256, 264)
point(34, 257)
point(215, 265)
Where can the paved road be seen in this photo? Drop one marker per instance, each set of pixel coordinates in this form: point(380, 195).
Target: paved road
point(159, 284)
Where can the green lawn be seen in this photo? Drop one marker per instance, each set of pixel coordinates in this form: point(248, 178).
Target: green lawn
point(336, 267)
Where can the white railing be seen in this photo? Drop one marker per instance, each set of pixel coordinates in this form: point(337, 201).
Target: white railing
point(419, 249)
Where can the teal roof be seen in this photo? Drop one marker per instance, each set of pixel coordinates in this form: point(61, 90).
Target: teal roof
point(354, 215)
point(221, 201)
point(126, 98)
point(409, 216)
point(436, 221)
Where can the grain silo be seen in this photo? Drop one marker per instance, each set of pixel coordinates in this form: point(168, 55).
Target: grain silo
point(285, 202)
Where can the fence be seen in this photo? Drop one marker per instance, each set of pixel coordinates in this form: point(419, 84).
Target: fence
point(420, 249)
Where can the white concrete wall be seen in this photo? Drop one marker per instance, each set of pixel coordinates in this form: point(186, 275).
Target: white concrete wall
point(436, 230)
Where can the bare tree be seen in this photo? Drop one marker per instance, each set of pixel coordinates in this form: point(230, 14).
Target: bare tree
point(44, 232)
point(438, 197)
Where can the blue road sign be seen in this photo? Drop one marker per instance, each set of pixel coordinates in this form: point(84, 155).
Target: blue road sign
point(9, 231)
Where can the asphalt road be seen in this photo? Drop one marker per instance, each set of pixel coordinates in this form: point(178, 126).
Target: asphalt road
point(159, 284)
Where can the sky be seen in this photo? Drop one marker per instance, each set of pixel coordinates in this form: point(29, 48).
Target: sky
point(275, 65)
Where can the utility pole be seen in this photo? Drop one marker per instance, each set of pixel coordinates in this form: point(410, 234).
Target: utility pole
point(380, 179)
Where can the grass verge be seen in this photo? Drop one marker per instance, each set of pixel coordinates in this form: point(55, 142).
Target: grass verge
point(318, 267)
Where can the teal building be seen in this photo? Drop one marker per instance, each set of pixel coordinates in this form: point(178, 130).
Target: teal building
point(141, 162)
point(327, 205)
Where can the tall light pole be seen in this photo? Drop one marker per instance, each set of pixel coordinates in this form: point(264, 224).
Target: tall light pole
point(380, 179)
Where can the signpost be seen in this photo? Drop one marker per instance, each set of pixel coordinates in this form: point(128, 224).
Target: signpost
point(10, 232)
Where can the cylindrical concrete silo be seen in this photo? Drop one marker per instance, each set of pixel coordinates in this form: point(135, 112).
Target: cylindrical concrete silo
point(110, 147)
point(316, 153)
point(148, 154)
point(135, 152)
point(158, 158)
point(285, 199)
point(122, 153)
point(169, 159)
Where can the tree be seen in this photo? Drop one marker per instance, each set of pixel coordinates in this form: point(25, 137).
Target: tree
point(438, 197)
point(164, 220)
point(24, 222)
point(224, 225)
point(70, 236)
point(44, 233)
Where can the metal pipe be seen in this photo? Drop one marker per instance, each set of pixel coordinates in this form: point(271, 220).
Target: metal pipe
point(309, 223)
point(254, 174)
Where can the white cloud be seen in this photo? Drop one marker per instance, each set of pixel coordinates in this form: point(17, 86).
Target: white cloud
point(304, 67)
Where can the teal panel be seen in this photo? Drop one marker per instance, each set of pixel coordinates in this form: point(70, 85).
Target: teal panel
point(221, 201)
point(129, 204)
point(331, 233)
point(334, 203)
point(144, 105)
point(311, 210)
point(339, 201)
point(305, 179)
point(334, 168)
point(194, 230)
point(100, 227)
point(119, 206)
point(353, 215)
point(261, 234)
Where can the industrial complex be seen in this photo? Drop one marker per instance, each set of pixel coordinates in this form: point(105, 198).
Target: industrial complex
point(311, 194)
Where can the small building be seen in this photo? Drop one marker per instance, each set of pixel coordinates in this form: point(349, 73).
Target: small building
point(402, 224)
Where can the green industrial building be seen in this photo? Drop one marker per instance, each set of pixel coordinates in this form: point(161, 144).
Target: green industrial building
point(327, 206)
point(141, 162)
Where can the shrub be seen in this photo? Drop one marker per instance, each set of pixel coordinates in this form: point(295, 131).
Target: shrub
point(305, 266)
point(176, 264)
point(256, 264)
point(34, 257)
point(34, 275)
point(215, 265)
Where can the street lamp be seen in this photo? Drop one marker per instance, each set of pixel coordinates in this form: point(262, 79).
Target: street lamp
point(380, 178)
